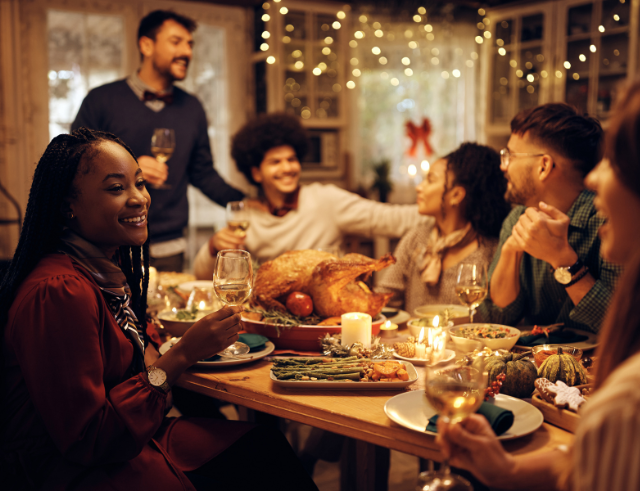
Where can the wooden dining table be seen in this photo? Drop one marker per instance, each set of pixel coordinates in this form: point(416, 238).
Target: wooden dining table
point(358, 414)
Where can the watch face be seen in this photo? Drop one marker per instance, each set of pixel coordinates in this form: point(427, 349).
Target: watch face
point(157, 377)
point(562, 275)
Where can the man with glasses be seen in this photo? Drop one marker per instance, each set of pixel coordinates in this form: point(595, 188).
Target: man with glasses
point(547, 268)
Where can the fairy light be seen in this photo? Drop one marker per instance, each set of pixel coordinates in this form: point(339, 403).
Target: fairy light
point(266, 17)
point(558, 74)
point(284, 10)
point(576, 76)
point(513, 63)
point(286, 39)
point(299, 65)
point(445, 75)
point(358, 34)
point(616, 17)
point(481, 12)
point(395, 82)
point(582, 57)
point(382, 60)
point(384, 75)
point(530, 78)
point(376, 25)
point(519, 73)
point(469, 63)
point(601, 28)
point(351, 84)
point(428, 27)
point(408, 72)
point(474, 55)
point(412, 170)
point(417, 18)
point(305, 113)
point(297, 53)
point(353, 43)
point(328, 40)
point(378, 33)
point(480, 25)
point(422, 10)
point(375, 50)
point(266, 6)
point(567, 65)
point(264, 47)
point(271, 60)
point(341, 15)
point(356, 72)
point(413, 45)
point(326, 50)
point(486, 20)
point(502, 51)
point(363, 19)
point(266, 35)
point(354, 61)
point(322, 65)
point(479, 39)
point(336, 87)
point(592, 48)
point(424, 165)
point(316, 71)
point(456, 73)
point(544, 74)
point(487, 34)
point(336, 25)
point(430, 37)
point(406, 61)
point(504, 81)
point(435, 61)
point(499, 42)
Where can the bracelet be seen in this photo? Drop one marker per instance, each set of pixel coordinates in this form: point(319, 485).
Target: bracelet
point(578, 277)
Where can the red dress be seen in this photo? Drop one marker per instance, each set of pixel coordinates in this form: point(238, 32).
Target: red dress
point(74, 418)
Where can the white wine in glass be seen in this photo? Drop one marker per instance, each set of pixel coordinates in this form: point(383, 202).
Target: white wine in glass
point(163, 142)
point(454, 392)
point(237, 218)
point(471, 285)
point(232, 282)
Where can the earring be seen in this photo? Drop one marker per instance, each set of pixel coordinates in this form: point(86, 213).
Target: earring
point(70, 215)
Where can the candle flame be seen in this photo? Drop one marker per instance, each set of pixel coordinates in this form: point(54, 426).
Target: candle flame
point(421, 337)
point(430, 337)
point(387, 324)
point(202, 305)
point(436, 321)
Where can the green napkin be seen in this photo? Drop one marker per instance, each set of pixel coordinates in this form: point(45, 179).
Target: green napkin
point(256, 342)
point(500, 419)
point(557, 337)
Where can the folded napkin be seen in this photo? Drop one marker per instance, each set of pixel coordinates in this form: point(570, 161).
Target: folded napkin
point(256, 342)
point(500, 419)
point(564, 336)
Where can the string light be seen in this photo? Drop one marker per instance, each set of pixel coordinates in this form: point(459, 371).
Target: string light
point(358, 34)
point(424, 165)
point(456, 73)
point(286, 39)
point(576, 76)
point(264, 47)
point(341, 15)
point(412, 170)
point(445, 75)
point(567, 65)
point(351, 84)
point(356, 72)
point(353, 43)
point(408, 72)
point(422, 10)
point(592, 48)
point(266, 17)
point(481, 12)
point(336, 25)
point(417, 18)
point(487, 34)
point(479, 39)
point(354, 61)
point(271, 60)
point(513, 63)
point(378, 33)
point(395, 82)
point(413, 44)
point(382, 60)
point(266, 35)
point(558, 74)
point(316, 71)
point(328, 40)
point(601, 28)
point(284, 10)
point(582, 57)
point(469, 63)
point(406, 61)
point(428, 27)
point(375, 50)
point(530, 78)
point(298, 65)
point(435, 61)
point(502, 51)
point(326, 50)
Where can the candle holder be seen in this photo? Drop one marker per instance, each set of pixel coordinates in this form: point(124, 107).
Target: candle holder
point(388, 330)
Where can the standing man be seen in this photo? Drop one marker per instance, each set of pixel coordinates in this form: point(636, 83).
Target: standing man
point(132, 108)
point(547, 268)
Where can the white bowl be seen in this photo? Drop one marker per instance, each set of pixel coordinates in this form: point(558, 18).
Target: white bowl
point(177, 327)
point(465, 344)
point(459, 313)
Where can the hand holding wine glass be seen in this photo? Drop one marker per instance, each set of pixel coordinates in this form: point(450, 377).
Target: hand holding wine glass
point(163, 143)
point(471, 285)
point(232, 282)
point(237, 218)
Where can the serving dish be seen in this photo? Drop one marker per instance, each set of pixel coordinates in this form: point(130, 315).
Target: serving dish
point(458, 314)
point(448, 356)
point(299, 338)
point(412, 410)
point(177, 327)
point(348, 384)
point(590, 343)
point(469, 344)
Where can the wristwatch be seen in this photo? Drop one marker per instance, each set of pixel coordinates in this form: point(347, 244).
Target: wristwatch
point(158, 378)
point(564, 274)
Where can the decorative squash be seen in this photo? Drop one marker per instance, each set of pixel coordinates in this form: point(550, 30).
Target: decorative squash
point(562, 366)
point(520, 374)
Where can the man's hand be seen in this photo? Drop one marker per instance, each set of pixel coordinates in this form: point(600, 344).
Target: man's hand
point(543, 234)
point(153, 171)
point(225, 239)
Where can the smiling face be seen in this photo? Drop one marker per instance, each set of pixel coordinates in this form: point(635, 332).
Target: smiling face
point(111, 202)
point(521, 189)
point(171, 52)
point(621, 207)
point(279, 171)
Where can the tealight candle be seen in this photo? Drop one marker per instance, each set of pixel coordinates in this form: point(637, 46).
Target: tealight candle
point(421, 351)
point(388, 329)
point(356, 328)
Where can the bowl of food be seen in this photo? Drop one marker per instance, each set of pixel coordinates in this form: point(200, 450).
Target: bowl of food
point(447, 312)
point(176, 322)
point(416, 325)
point(544, 351)
point(468, 337)
point(302, 337)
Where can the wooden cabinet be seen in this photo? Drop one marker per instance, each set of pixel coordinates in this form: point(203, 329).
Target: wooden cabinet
point(575, 51)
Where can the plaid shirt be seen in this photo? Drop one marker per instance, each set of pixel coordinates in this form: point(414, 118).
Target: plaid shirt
point(542, 300)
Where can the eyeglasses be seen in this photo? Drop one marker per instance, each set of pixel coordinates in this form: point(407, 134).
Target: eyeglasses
point(505, 156)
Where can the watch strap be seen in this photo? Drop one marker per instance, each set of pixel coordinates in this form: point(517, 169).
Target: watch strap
point(578, 277)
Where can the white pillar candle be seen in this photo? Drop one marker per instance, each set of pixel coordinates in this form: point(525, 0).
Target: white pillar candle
point(356, 328)
point(421, 351)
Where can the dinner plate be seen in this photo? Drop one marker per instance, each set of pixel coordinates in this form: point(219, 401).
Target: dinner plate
point(448, 356)
point(225, 362)
point(396, 316)
point(412, 410)
point(347, 384)
point(187, 286)
point(589, 343)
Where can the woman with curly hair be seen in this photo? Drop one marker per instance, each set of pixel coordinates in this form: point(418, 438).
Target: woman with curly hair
point(463, 194)
point(289, 216)
point(84, 396)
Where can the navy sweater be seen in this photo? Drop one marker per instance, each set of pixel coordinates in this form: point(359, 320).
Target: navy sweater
point(115, 108)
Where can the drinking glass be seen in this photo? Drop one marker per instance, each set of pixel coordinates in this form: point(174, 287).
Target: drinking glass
point(232, 282)
point(163, 142)
point(237, 218)
point(455, 392)
point(471, 285)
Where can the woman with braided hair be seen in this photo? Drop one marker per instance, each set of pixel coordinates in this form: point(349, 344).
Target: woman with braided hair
point(84, 401)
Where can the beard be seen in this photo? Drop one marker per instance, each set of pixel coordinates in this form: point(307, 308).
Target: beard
point(520, 194)
point(166, 70)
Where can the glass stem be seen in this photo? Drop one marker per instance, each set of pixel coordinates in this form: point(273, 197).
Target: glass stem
point(471, 315)
point(445, 470)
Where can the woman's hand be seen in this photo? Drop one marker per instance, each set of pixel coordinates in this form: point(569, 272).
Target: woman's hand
point(472, 445)
point(210, 334)
point(225, 239)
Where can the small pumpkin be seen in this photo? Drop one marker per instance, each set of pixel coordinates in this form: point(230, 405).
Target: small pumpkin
point(562, 366)
point(520, 374)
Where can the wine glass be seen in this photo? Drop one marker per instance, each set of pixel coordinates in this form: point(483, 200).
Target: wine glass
point(232, 282)
point(237, 218)
point(455, 392)
point(471, 285)
point(163, 142)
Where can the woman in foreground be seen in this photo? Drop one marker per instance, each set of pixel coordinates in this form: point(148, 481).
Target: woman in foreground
point(84, 401)
point(463, 195)
point(605, 455)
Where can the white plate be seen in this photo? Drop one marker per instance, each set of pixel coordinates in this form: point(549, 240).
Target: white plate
point(448, 356)
point(249, 357)
point(412, 410)
point(589, 343)
point(346, 384)
point(190, 285)
point(396, 316)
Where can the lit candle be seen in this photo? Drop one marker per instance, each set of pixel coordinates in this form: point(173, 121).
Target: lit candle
point(153, 278)
point(356, 328)
point(421, 349)
point(388, 330)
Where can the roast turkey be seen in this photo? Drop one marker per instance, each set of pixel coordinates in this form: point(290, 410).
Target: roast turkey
point(336, 285)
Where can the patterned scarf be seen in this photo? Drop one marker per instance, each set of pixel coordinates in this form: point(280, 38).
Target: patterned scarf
point(429, 257)
point(113, 285)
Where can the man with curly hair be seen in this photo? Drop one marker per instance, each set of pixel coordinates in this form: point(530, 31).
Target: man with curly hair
point(548, 267)
point(289, 216)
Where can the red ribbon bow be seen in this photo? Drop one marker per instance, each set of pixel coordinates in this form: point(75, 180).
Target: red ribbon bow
point(419, 134)
point(152, 96)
